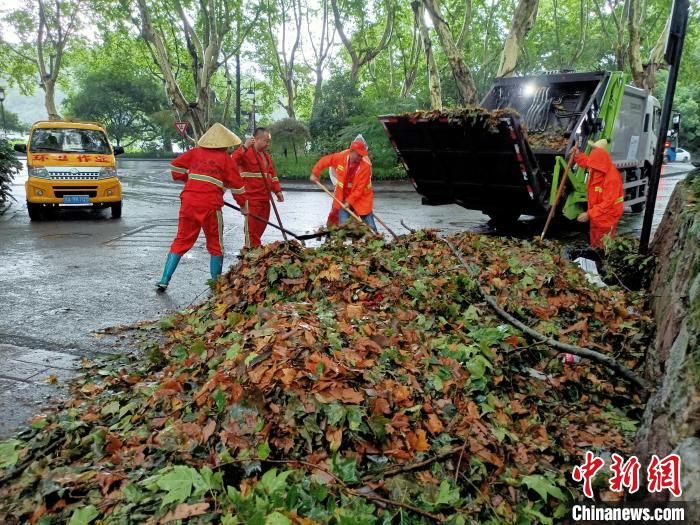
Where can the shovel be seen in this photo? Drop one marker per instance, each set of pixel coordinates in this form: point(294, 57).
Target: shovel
point(297, 237)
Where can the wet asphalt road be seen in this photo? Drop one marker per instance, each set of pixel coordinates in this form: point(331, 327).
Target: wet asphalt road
point(64, 279)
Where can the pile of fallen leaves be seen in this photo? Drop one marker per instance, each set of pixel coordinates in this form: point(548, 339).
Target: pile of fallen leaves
point(357, 383)
point(490, 119)
point(547, 140)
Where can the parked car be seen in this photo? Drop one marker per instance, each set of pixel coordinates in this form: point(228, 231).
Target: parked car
point(682, 155)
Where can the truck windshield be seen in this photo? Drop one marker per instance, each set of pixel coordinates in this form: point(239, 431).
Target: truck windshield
point(67, 140)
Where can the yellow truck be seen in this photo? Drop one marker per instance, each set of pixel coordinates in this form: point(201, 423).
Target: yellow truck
point(70, 164)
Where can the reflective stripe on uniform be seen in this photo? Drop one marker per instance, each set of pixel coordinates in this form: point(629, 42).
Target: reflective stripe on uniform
point(339, 184)
point(274, 179)
point(178, 169)
point(598, 189)
point(220, 223)
point(237, 191)
point(619, 200)
point(207, 178)
point(251, 175)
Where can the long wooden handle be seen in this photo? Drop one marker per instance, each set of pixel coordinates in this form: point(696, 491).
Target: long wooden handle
point(560, 190)
point(396, 237)
point(323, 187)
point(269, 194)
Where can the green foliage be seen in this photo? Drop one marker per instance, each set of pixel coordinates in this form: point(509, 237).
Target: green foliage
point(624, 264)
point(11, 122)
point(9, 167)
point(289, 138)
point(122, 103)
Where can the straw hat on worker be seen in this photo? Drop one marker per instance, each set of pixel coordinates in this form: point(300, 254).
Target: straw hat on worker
point(218, 136)
point(602, 143)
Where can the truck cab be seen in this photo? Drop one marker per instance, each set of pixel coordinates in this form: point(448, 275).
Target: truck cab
point(70, 164)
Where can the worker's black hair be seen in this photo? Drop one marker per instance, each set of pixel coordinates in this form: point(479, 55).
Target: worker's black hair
point(258, 131)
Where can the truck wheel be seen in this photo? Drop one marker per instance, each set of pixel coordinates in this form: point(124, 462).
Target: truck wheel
point(35, 211)
point(116, 210)
point(503, 217)
point(638, 208)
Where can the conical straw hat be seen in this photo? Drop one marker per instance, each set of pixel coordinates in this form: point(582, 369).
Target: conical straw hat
point(602, 143)
point(218, 136)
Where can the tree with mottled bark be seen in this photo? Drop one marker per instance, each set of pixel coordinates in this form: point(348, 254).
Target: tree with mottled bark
point(523, 20)
point(433, 73)
point(44, 32)
point(362, 52)
point(204, 31)
point(461, 72)
point(644, 75)
point(321, 46)
point(284, 19)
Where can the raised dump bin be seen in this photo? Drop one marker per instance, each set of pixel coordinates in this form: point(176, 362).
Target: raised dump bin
point(503, 158)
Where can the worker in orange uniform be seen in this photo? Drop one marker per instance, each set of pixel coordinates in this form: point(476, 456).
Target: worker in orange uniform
point(605, 192)
point(354, 181)
point(207, 170)
point(260, 178)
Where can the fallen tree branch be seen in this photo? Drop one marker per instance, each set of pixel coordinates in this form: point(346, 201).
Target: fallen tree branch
point(409, 467)
point(554, 344)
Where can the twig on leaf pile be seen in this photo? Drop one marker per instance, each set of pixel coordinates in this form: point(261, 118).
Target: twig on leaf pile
point(407, 227)
point(556, 345)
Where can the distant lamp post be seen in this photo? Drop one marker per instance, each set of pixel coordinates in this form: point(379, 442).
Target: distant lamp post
point(251, 91)
point(2, 107)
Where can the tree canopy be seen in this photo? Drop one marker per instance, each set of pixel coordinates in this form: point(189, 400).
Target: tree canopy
point(321, 62)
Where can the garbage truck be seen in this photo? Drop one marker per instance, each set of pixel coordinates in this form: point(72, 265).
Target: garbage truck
point(507, 157)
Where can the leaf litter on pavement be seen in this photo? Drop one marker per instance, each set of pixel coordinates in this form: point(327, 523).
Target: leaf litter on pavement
point(360, 382)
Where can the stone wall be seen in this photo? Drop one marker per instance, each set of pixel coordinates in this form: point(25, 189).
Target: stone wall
point(672, 418)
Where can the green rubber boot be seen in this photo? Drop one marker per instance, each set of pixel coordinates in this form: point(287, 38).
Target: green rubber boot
point(216, 263)
point(170, 264)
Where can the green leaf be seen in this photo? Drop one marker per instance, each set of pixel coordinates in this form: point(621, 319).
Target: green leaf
point(179, 353)
point(543, 486)
point(220, 400)
point(277, 518)
point(345, 468)
point(477, 366)
point(110, 408)
point(272, 274)
point(263, 450)
point(233, 351)
point(8, 453)
point(178, 484)
point(198, 348)
point(354, 417)
point(167, 324)
point(84, 515)
point(336, 413)
point(271, 482)
point(447, 495)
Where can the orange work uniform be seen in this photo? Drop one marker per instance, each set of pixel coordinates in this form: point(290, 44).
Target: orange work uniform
point(605, 194)
point(260, 178)
point(207, 173)
point(354, 185)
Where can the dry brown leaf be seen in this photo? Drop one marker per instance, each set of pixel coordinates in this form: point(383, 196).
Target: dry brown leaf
point(184, 511)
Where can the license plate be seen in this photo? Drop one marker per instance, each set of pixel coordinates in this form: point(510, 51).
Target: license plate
point(76, 199)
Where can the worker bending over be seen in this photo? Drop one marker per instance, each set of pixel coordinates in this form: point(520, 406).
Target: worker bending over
point(207, 170)
point(605, 192)
point(354, 181)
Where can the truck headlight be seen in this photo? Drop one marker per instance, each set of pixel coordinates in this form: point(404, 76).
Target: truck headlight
point(40, 173)
point(107, 173)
